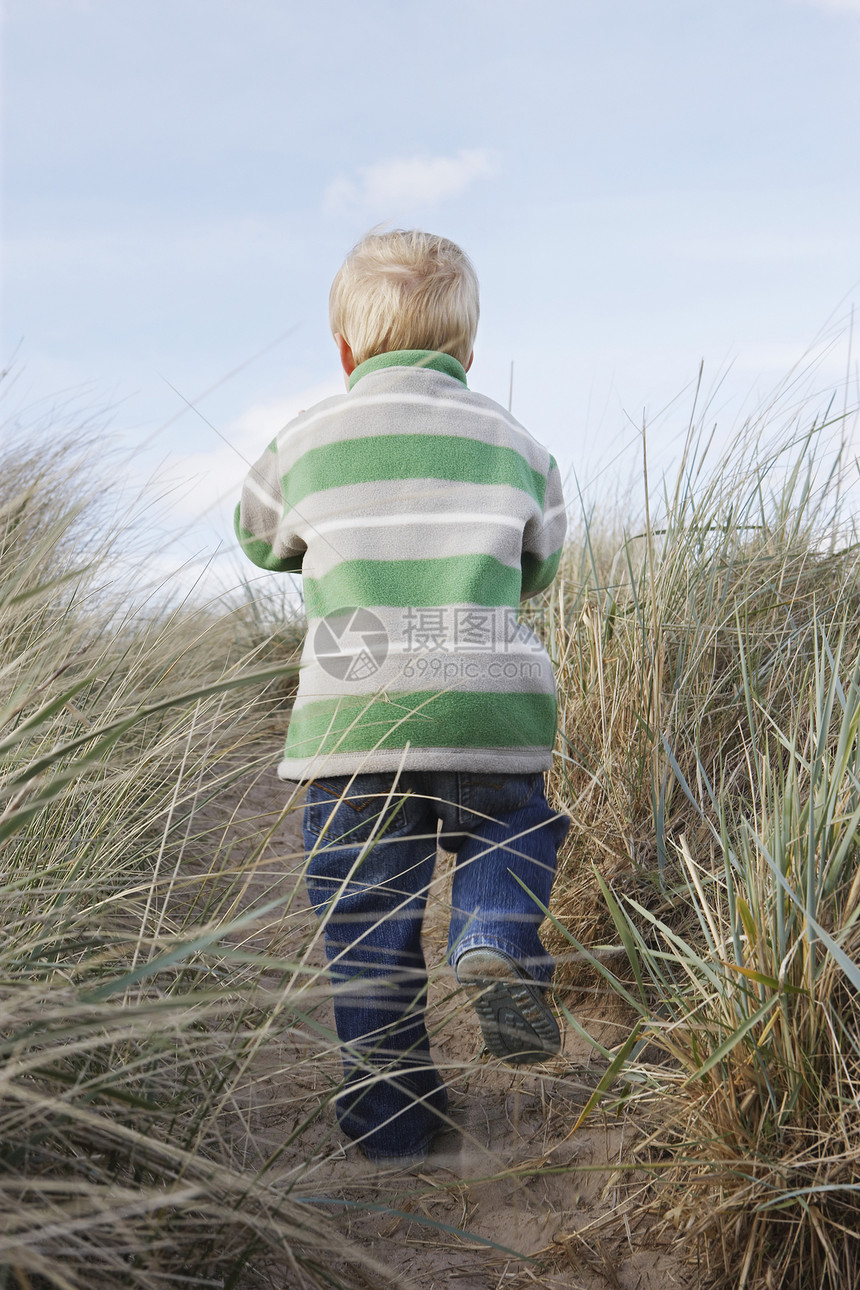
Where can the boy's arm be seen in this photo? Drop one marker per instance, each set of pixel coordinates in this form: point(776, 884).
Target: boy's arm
point(543, 537)
point(262, 535)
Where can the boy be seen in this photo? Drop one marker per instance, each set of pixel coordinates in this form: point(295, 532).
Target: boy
point(419, 514)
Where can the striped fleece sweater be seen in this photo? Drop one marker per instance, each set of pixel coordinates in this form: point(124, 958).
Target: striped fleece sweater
point(419, 514)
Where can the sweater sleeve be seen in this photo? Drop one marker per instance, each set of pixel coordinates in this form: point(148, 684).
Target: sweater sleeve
point(543, 537)
point(263, 534)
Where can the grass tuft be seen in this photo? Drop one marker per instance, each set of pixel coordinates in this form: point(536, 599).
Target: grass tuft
point(710, 689)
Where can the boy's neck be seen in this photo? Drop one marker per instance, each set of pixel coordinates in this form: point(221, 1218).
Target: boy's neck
point(436, 361)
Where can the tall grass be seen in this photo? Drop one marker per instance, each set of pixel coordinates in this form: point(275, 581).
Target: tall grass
point(709, 686)
point(709, 667)
point(133, 997)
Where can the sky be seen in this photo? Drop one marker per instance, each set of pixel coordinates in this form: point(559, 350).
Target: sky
point(642, 187)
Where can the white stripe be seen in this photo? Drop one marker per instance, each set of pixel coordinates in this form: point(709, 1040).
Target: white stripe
point(419, 400)
point(531, 648)
point(503, 651)
point(262, 494)
point(430, 517)
point(555, 510)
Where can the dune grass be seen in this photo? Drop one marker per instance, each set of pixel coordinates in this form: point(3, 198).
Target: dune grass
point(131, 996)
point(709, 670)
point(709, 687)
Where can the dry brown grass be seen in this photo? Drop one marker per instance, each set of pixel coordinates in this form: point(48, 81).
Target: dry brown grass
point(707, 676)
point(710, 713)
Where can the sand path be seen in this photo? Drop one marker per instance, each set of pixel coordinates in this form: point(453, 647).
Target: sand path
point(533, 1201)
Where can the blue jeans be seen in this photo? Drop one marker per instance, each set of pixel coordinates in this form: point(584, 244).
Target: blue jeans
point(371, 842)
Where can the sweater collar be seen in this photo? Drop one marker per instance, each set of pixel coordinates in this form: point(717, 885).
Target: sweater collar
point(444, 363)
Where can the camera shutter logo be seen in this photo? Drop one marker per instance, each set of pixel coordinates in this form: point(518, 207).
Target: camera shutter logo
point(351, 645)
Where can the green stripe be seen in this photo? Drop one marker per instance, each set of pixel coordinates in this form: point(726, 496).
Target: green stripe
point(425, 719)
point(409, 456)
point(437, 362)
point(538, 574)
point(260, 552)
point(416, 584)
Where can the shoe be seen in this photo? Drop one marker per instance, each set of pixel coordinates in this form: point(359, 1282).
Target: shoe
point(515, 1018)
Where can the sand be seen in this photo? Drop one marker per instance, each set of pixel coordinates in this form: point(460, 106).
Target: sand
point(513, 1194)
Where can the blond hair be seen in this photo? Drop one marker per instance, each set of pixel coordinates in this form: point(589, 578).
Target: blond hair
point(405, 290)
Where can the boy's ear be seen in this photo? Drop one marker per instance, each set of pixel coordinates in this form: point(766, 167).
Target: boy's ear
point(347, 361)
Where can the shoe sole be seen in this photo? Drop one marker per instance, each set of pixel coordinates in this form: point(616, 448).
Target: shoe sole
point(516, 1022)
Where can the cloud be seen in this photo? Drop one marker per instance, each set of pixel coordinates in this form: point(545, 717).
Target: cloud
point(190, 498)
point(210, 481)
point(387, 187)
